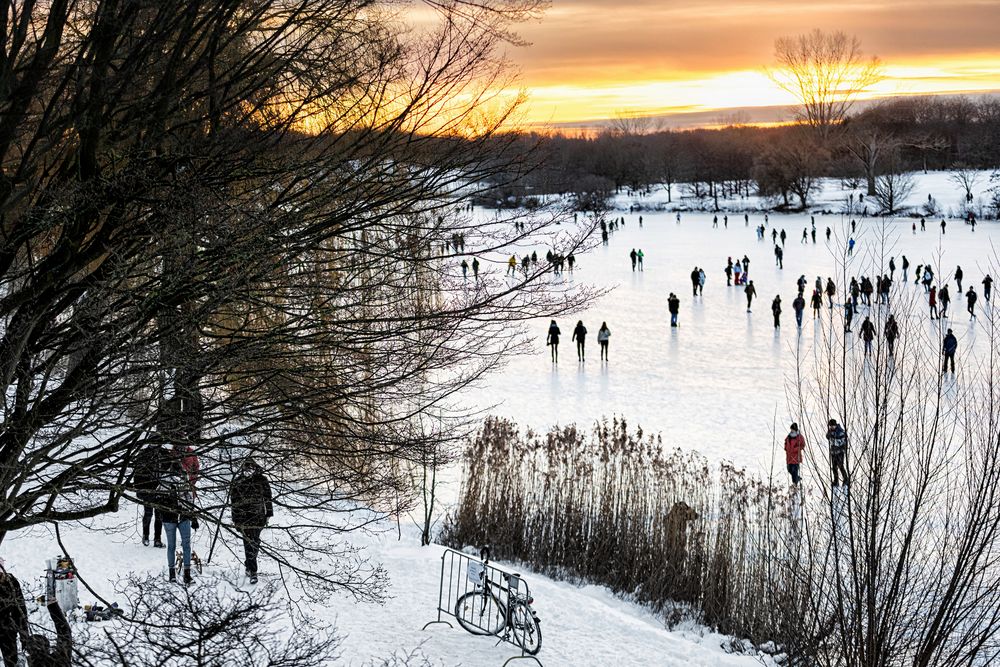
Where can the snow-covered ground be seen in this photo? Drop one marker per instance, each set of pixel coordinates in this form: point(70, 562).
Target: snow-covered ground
point(717, 384)
point(581, 626)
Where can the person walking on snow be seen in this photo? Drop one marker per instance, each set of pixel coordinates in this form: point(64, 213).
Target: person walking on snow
point(13, 616)
point(552, 340)
point(149, 463)
point(580, 336)
point(603, 335)
point(674, 306)
point(794, 444)
point(949, 348)
point(836, 436)
point(776, 311)
point(751, 292)
point(634, 257)
point(798, 305)
point(251, 507)
point(867, 334)
point(178, 511)
point(782, 236)
point(971, 297)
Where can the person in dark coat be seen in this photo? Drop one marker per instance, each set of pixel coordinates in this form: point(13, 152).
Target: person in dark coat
point(552, 340)
point(867, 334)
point(580, 336)
point(13, 616)
point(148, 465)
point(798, 305)
point(674, 306)
point(751, 292)
point(891, 333)
point(250, 495)
point(836, 436)
point(971, 297)
point(950, 347)
point(776, 311)
point(987, 286)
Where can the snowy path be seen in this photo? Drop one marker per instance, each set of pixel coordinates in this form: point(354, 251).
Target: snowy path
point(581, 626)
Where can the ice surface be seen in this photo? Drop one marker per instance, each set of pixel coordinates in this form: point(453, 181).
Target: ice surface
point(717, 383)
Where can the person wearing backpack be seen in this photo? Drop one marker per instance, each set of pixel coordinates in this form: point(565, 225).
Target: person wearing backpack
point(178, 511)
point(148, 465)
point(836, 436)
point(250, 496)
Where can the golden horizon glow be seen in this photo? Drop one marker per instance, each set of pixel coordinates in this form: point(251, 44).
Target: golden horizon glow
point(721, 92)
point(592, 59)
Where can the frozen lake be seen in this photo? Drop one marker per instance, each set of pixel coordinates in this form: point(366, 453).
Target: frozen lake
point(717, 383)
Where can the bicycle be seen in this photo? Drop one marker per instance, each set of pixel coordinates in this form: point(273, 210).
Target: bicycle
point(493, 608)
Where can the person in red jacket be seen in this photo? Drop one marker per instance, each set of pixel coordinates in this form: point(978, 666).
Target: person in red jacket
point(794, 444)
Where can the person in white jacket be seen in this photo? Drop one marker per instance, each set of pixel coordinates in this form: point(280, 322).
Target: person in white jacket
point(603, 334)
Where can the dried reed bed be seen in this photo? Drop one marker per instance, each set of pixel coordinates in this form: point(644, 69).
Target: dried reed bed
point(614, 507)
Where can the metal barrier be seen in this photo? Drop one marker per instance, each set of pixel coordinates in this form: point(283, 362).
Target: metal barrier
point(488, 601)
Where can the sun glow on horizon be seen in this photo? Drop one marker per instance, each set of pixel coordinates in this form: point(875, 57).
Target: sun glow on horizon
point(682, 93)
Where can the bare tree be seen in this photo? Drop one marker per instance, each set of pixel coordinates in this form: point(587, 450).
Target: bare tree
point(235, 229)
point(891, 190)
point(966, 178)
point(870, 145)
point(826, 72)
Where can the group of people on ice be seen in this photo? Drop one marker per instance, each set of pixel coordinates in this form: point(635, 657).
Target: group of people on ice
point(836, 437)
point(580, 338)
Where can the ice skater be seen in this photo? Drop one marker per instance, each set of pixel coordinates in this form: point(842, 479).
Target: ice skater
point(634, 257)
point(831, 290)
point(603, 336)
point(950, 346)
point(674, 306)
point(836, 436)
point(970, 298)
point(932, 302)
point(694, 281)
point(867, 334)
point(552, 340)
point(751, 292)
point(798, 305)
point(817, 301)
point(794, 444)
point(891, 333)
point(958, 277)
point(639, 255)
point(987, 287)
point(776, 311)
point(580, 336)
point(944, 298)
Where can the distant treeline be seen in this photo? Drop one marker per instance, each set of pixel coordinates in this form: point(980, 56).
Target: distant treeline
point(895, 136)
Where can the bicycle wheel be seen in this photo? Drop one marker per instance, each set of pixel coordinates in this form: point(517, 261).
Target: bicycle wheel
point(480, 613)
point(525, 628)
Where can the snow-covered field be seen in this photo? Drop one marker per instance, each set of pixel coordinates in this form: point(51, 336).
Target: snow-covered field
point(717, 383)
point(581, 626)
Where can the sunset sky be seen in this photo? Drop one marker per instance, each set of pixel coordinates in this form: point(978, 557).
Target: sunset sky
point(592, 59)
